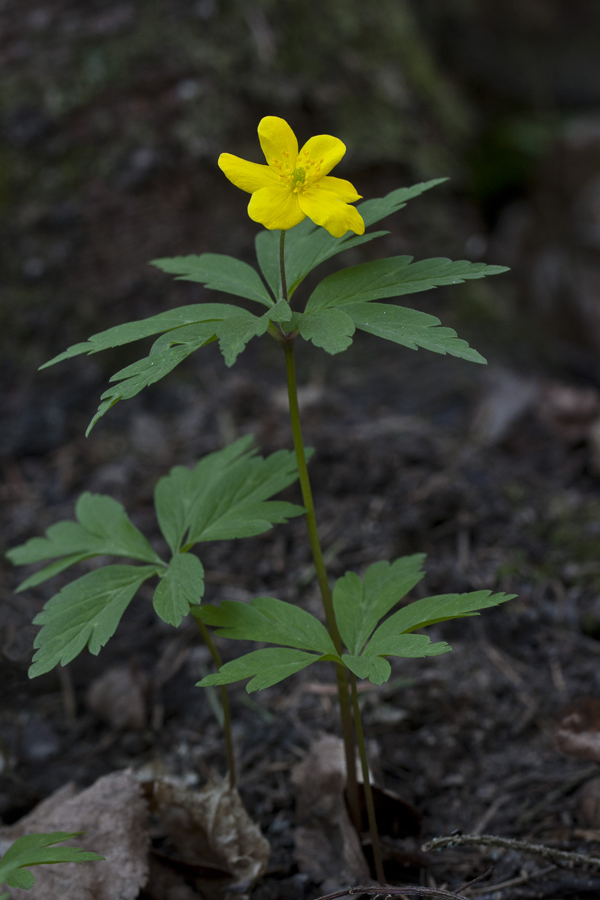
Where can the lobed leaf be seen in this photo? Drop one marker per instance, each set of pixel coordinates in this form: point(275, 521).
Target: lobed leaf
point(269, 620)
point(86, 611)
point(103, 528)
point(181, 586)
point(37, 850)
point(264, 667)
point(218, 273)
point(374, 210)
point(431, 610)
point(360, 604)
point(393, 277)
point(330, 329)
point(410, 328)
point(225, 496)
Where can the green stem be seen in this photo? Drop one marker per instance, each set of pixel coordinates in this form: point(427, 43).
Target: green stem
point(206, 635)
point(379, 873)
point(284, 292)
point(317, 554)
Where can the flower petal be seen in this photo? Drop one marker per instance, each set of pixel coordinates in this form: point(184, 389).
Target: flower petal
point(326, 209)
point(322, 149)
point(278, 143)
point(246, 175)
point(275, 207)
point(343, 189)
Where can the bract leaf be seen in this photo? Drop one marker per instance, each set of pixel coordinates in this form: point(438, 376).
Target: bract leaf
point(430, 610)
point(225, 496)
point(37, 850)
point(359, 605)
point(86, 611)
point(264, 667)
point(269, 620)
point(410, 328)
point(407, 646)
point(375, 668)
point(181, 587)
point(103, 529)
point(218, 273)
point(136, 331)
point(330, 329)
point(393, 277)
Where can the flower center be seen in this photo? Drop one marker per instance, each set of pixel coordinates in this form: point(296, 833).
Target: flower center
point(308, 171)
point(297, 179)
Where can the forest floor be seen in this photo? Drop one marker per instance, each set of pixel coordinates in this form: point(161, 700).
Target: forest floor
point(414, 453)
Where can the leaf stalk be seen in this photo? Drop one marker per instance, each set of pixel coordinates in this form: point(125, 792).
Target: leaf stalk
point(218, 660)
point(364, 762)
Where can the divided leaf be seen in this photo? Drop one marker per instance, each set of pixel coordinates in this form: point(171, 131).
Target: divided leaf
point(103, 529)
point(225, 496)
point(86, 611)
point(37, 850)
point(429, 611)
point(409, 328)
point(264, 667)
point(307, 245)
point(393, 277)
point(218, 273)
point(360, 604)
point(182, 586)
point(269, 620)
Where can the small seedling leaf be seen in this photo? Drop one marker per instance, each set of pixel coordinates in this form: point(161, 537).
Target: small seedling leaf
point(430, 610)
point(360, 604)
point(181, 587)
point(264, 667)
point(330, 329)
point(86, 611)
point(393, 277)
point(103, 529)
point(218, 273)
point(225, 496)
point(38, 850)
point(269, 620)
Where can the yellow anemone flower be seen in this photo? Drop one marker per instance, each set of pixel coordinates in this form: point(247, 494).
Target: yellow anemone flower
point(295, 185)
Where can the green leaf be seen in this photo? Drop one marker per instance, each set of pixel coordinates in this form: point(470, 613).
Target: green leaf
point(359, 605)
point(410, 328)
point(269, 620)
point(103, 529)
point(218, 273)
point(393, 277)
point(307, 245)
point(87, 611)
point(264, 667)
point(182, 586)
point(431, 610)
point(37, 850)
point(225, 496)
point(375, 668)
point(136, 331)
point(374, 210)
point(330, 329)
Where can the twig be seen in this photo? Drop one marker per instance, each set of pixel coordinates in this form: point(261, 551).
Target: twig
point(387, 890)
point(491, 840)
point(513, 882)
point(476, 880)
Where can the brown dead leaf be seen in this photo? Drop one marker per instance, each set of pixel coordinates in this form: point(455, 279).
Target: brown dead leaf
point(578, 732)
point(208, 838)
point(114, 816)
point(327, 847)
point(118, 697)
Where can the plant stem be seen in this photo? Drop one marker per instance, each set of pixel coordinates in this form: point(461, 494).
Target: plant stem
point(284, 292)
point(206, 635)
point(379, 873)
point(317, 554)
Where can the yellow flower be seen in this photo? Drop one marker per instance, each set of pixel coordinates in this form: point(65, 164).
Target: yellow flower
point(295, 185)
